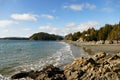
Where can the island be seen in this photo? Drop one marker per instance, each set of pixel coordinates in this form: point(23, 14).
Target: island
point(45, 36)
point(14, 38)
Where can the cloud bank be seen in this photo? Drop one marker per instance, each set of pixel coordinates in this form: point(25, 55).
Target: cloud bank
point(25, 17)
point(80, 7)
point(47, 16)
point(69, 28)
point(6, 23)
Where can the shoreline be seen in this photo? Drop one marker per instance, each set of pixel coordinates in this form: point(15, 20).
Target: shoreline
point(95, 61)
point(101, 66)
point(92, 48)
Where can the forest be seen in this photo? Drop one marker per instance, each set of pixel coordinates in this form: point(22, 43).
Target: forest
point(45, 36)
point(107, 32)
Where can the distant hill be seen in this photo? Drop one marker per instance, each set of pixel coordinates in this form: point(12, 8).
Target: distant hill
point(45, 36)
point(14, 38)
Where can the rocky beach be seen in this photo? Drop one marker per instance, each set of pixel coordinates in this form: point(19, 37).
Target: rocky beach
point(60, 40)
point(100, 66)
point(102, 63)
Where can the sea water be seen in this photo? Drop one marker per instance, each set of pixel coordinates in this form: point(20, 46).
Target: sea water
point(25, 55)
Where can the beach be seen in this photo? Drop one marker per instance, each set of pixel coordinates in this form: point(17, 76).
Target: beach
point(93, 48)
point(102, 64)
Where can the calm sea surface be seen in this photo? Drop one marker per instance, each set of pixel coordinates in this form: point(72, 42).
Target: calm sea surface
point(24, 55)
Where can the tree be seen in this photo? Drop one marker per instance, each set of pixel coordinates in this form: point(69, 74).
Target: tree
point(69, 37)
point(76, 36)
point(45, 36)
point(115, 33)
point(107, 32)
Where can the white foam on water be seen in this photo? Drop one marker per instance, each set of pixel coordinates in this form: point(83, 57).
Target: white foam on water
point(61, 57)
point(4, 78)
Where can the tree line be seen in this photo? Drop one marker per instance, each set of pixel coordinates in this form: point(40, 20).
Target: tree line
point(107, 32)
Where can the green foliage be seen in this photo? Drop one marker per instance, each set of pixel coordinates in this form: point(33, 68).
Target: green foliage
point(45, 36)
point(69, 37)
point(76, 36)
point(115, 33)
point(104, 32)
point(73, 37)
point(107, 32)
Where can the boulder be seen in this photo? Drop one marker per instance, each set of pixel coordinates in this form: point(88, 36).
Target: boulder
point(109, 42)
point(20, 75)
point(99, 56)
point(51, 73)
point(101, 66)
point(100, 42)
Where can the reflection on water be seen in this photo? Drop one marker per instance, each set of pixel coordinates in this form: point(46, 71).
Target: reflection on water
point(89, 51)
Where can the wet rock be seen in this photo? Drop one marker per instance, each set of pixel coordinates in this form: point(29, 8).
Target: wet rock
point(20, 75)
point(51, 73)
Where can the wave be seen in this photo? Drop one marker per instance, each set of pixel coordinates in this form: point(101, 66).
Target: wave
point(60, 58)
point(4, 78)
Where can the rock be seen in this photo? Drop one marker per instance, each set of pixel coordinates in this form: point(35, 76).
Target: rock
point(92, 61)
point(100, 42)
point(51, 73)
point(20, 75)
point(101, 66)
point(97, 67)
point(99, 55)
point(112, 76)
point(109, 42)
point(114, 57)
point(31, 75)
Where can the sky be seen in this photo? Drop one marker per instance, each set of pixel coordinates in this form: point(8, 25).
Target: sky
point(22, 18)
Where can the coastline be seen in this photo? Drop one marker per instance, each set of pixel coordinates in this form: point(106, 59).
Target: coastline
point(84, 66)
point(101, 66)
point(93, 48)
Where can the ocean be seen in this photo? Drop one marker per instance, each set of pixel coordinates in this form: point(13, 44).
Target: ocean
point(26, 55)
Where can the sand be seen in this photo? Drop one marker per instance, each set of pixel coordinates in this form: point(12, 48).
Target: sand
point(95, 48)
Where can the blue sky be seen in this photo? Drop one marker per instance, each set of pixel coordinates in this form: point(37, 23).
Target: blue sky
point(22, 18)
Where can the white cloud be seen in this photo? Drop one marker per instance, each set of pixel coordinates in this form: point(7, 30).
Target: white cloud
point(90, 6)
point(47, 16)
point(26, 29)
point(48, 29)
point(25, 16)
point(69, 28)
point(87, 25)
point(5, 31)
point(80, 7)
point(75, 7)
point(5, 23)
point(107, 9)
point(80, 27)
point(71, 24)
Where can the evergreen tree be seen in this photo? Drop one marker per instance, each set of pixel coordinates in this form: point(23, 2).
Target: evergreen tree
point(107, 32)
point(69, 37)
point(76, 36)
